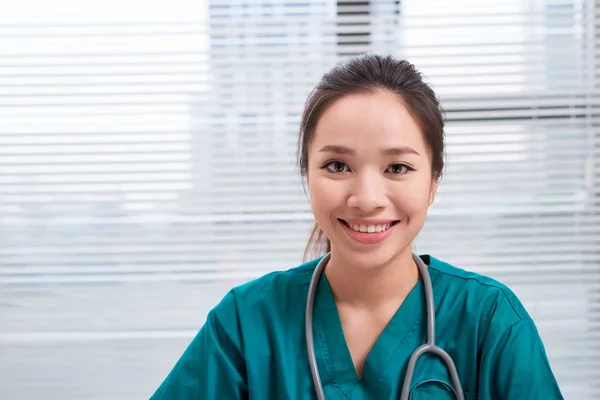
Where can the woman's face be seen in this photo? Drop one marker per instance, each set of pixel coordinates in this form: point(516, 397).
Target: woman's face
point(369, 178)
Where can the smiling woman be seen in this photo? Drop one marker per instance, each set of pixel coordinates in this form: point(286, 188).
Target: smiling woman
point(384, 175)
point(371, 149)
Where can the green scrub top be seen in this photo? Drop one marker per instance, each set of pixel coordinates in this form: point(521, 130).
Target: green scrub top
point(253, 344)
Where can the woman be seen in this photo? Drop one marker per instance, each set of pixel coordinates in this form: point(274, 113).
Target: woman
point(371, 149)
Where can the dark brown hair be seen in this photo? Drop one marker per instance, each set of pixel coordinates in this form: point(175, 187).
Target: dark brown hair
point(370, 73)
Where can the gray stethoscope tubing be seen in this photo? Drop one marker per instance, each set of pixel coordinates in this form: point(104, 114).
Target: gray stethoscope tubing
point(429, 347)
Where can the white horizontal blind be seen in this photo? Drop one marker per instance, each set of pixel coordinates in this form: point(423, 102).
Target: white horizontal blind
point(520, 201)
point(147, 156)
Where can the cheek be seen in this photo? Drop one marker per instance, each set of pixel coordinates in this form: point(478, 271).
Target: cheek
point(321, 194)
point(413, 199)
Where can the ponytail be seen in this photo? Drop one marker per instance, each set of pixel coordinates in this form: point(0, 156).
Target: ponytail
point(318, 244)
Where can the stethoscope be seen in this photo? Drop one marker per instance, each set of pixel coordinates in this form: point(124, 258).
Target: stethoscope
point(429, 347)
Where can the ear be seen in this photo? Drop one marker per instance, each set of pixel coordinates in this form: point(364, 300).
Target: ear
point(434, 186)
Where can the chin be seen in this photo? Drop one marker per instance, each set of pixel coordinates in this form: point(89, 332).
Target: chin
point(372, 256)
point(370, 259)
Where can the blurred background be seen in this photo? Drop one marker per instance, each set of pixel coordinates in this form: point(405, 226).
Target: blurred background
point(147, 165)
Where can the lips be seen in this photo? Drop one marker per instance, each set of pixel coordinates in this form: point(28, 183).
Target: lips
point(368, 232)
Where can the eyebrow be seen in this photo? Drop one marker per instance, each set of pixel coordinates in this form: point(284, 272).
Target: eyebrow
point(393, 151)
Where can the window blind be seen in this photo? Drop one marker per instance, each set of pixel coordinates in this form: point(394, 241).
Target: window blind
point(147, 164)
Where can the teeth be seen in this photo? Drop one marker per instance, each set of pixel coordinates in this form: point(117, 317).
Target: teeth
point(370, 228)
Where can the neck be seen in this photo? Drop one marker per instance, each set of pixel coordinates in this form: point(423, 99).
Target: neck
point(357, 286)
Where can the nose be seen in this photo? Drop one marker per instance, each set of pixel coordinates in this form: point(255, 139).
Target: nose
point(368, 192)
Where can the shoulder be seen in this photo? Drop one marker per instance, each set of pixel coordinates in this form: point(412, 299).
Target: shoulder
point(481, 302)
point(473, 285)
point(278, 290)
point(275, 281)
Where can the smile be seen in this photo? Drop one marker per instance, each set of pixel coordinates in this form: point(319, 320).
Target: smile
point(369, 228)
point(368, 233)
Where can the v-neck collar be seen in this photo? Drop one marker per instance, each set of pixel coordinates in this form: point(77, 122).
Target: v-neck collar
point(333, 356)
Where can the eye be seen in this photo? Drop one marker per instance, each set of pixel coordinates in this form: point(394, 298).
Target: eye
point(399, 169)
point(337, 167)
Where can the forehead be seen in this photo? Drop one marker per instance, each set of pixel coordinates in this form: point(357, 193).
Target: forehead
point(369, 120)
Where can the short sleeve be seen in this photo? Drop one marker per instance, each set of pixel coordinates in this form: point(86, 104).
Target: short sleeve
point(516, 367)
point(212, 366)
